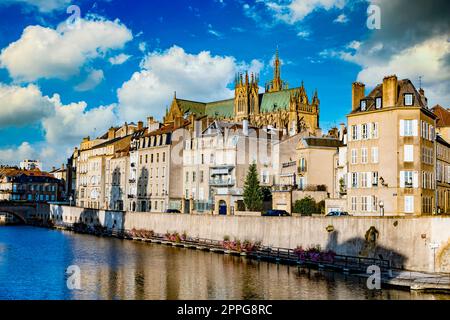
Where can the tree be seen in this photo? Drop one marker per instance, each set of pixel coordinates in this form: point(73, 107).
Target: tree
point(253, 195)
point(306, 206)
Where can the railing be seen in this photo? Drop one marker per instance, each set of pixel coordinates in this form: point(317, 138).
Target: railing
point(222, 182)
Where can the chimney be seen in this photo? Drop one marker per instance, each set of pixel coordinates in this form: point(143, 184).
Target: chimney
point(111, 133)
point(245, 127)
point(422, 96)
point(358, 93)
point(140, 125)
point(152, 124)
point(178, 122)
point(390, 91)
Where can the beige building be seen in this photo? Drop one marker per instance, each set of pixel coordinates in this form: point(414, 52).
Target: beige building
point(391, 150)
point(116, 177)
point(92, 160)
point(158, 167)
point(216, 163)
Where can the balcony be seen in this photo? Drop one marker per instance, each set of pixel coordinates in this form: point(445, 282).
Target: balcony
point(222, 182)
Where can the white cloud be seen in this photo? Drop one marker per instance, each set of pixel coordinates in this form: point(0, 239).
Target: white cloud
point(94, 78)
point(22, 105)
point(72, 122)
point(303, 34)
point(43, 5)
point(296, 10)
point(342, 18)
point(13, 155)
point(142, 46)
point(63, 125)
point(119, 59)
point(201, 77)
point(60, 53)
point(426, 59)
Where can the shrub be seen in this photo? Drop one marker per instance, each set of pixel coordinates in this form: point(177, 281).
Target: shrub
point(305, 206)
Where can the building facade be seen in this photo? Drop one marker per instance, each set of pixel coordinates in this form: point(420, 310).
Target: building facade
point(390, 151)
point(28, 185)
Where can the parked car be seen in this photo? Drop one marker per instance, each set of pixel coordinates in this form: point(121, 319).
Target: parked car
point(337, 214)
point(173, 211)
point(275, 213)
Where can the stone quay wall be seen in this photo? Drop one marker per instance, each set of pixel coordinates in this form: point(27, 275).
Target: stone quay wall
point(412, 243)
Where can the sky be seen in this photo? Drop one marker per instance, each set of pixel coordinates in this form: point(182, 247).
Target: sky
point(70, 69)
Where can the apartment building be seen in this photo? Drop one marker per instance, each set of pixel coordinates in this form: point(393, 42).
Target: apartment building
point(93, 165)
point(216, 162)
point(27, 185)
point(391, 150)
point(116, 176)
point(158, 167)
point(442, 175)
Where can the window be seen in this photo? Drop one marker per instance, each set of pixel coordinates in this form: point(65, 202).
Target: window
point(201, 176)
point(364, 155)
point(302, 164)
point(375, 130)
point(378, 102)
point(375, 178)
point(164, 157)
point(364, 131)
point(408, 99)
point(407, 179)
point(187, 177)
point(408, 128)
point(408, 155)
point(374, 204)
point(157, 157)
point(374, 154)
point(193, 176)
point(364, 203)
point(363, 105)
point(354, 179)
point(354, 203)
point(354, 156)
point(146, 158)
point(409, 204)
point(364, 182)
point(151, 158)
point(355, 135)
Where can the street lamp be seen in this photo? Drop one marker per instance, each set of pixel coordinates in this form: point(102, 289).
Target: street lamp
point(381, 204)
point(70, 200)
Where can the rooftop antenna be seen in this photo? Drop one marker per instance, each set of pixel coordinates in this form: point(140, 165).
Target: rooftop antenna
point(420, 82)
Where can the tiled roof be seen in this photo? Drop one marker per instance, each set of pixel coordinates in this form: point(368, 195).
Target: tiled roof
point(223, 108)
point(403, 86)
point(271, 101)
point(14, 172)
point(443, 116)
point(323, 142)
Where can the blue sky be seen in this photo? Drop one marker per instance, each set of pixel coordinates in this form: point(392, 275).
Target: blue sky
point(125, 59)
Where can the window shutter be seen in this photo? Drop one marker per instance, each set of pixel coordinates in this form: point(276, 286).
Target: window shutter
point(408, 153)
point(357, 179)
point(402, 179)
point(358, 132)
point(369, 203)
point(349, 180)
point(370, 130)
point(415, 125)
point(402, 128)
point(416, 179)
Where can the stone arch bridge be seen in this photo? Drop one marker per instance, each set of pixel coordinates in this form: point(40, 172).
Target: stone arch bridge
point(23, 211)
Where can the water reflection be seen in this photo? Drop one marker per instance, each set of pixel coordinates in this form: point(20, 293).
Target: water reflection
point(33, 262)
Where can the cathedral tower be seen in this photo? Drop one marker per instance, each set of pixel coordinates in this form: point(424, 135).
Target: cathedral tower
point(246, 96)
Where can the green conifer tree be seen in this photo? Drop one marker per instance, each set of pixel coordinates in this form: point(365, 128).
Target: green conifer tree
point(253, 195)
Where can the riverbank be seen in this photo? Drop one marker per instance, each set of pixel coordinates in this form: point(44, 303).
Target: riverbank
point(420, 244)
point(350, 265)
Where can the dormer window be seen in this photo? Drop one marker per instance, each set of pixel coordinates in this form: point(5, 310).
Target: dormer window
point(363, 105)
point(408, 99)
point(378, 102)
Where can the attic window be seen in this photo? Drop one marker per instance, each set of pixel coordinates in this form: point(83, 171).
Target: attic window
point(363, 105)
point(408, 99)
point(378, 103)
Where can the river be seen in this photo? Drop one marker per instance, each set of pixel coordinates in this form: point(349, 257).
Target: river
point(33, 264)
